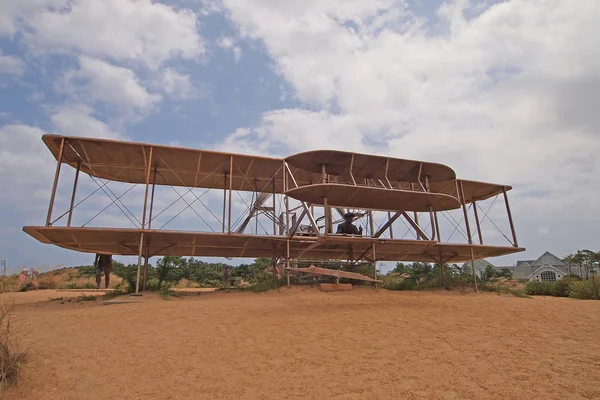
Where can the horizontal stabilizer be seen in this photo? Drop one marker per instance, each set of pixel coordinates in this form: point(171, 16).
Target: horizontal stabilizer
point(333, 272)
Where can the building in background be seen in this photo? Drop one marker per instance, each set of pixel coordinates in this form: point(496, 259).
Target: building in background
point(546, 268)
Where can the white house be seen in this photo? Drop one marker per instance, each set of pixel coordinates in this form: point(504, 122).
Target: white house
point(546, 268)
point(480, 266)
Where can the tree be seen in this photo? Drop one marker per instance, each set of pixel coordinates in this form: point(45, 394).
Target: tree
point(165, 267)
point(569, 260)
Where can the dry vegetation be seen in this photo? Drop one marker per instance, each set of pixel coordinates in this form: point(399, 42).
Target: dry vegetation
point(12, 352)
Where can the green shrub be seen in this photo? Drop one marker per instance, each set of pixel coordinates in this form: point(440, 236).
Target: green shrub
point(536, 288)
point(152, 284)
point(586, 290)
point(563, 286)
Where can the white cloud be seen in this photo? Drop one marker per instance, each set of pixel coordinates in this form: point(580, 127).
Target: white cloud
point(124, 30)
point(506, 96)
point(97, 80)
point(228, 43)
point(24, 161)
point(77, 120)
point(176, 85)
point(11, 65)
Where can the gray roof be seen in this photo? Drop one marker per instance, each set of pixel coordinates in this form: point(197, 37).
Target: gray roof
point(524, 261)
point(479, 264)
point(548, 258)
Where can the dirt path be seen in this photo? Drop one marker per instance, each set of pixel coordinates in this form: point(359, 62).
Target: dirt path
point(303, 344)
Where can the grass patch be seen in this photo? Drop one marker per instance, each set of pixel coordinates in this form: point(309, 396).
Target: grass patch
point(87, 298)
point(501, 289)
point(12, 354)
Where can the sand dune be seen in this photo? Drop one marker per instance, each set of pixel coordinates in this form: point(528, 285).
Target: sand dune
point(304, 344)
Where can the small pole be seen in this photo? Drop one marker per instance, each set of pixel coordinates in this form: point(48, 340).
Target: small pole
point(3, 262)
point(73, 195)
point(56, 176)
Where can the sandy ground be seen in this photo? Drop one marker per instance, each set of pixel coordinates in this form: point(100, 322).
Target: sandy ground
point(304, 344)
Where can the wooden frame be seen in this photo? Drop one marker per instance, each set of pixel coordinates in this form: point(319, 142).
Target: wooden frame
point(327, 179)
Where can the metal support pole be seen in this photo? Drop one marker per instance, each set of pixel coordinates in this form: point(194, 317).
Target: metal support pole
point(73, 195)
point(230, 191)
point(371, 223)
point(477, 222)
point(56, 176)
point(510, 220)
point(149, 168)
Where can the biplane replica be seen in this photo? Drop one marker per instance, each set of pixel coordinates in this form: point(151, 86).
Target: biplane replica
point(310, 202)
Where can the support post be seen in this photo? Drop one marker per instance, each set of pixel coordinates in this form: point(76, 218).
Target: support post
point(391, 230)
point(74, 191)
point(147, 257)
point(371, 223)
point(437, 227)
point(443, 276)
point(287, 200)
point(56, 176)
point(326, 210)
point(416, 216)
point(510, 220)
point(473, 267)
point(274, 210)
point(230, 190)
point(477, 222)
point(224, 202)
point(149, 168)
point(374, 264)
point(464, 207)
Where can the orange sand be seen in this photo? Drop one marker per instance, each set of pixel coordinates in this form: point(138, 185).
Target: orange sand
point(304, 344)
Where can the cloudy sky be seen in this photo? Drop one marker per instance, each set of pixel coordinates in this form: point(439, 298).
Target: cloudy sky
point(502, 91)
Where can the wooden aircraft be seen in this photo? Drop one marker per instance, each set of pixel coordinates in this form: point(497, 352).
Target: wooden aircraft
point(327, 182)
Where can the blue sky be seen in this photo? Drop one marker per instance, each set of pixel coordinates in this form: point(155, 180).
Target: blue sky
point(481, 86)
